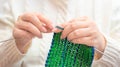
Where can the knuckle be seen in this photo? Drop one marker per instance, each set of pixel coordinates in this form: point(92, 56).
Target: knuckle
point(72, 20)
point(73, 26)
point(27, 16)
point(76, 33)
point(30, 16)
point(28, 26)
point(17, 24)
point(94, 32)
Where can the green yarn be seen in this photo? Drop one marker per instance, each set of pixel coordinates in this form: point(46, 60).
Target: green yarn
point(66, 54)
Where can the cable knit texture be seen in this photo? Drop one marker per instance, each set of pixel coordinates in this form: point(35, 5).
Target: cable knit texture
point(58, 11)
point(9, 54)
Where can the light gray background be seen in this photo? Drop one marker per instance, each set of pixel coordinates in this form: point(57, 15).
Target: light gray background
point(2, 2)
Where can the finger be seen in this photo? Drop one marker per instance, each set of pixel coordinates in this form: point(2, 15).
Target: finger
point(45, 20)
point(82, 32)
point(73, 26)
point(57, 30)
point(48, 29)
point(27, 26)
point(85, 40)
point(22, 34)
point(34, 20)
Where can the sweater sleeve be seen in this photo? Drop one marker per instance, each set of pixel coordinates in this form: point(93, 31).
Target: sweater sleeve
point(9, 54)
point(110, 56)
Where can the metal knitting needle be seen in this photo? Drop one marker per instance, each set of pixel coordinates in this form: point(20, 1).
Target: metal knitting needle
point(60, 28)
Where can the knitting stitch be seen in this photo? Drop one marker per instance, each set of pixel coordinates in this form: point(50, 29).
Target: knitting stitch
point(63, 53)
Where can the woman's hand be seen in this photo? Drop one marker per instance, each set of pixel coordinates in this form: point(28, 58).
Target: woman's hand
point(28, 26)
point(83, 31)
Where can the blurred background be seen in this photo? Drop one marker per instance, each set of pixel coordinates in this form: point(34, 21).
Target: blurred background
point(98, 11)
point(2, 2)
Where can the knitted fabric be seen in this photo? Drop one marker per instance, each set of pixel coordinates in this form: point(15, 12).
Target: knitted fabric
point(66, 54)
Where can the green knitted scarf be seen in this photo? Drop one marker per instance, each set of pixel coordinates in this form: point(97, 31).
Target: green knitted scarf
point(66, 54)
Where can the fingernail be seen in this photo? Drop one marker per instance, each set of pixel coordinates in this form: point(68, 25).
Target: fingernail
point(43, 29)
point(54, 30)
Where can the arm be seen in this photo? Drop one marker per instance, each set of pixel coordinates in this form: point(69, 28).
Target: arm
point(9, 54)
point(111, 57)
point(105, 44)
point(27, 26)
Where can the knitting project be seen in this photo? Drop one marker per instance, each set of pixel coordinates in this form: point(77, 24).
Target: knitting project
point(66, 54)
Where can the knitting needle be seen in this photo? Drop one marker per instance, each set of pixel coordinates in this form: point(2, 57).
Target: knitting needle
point(60, 28)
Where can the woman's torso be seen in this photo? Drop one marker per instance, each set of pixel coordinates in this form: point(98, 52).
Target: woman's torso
point(37, 53)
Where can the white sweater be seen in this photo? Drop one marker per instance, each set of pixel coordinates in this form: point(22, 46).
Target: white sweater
point(98, 10)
